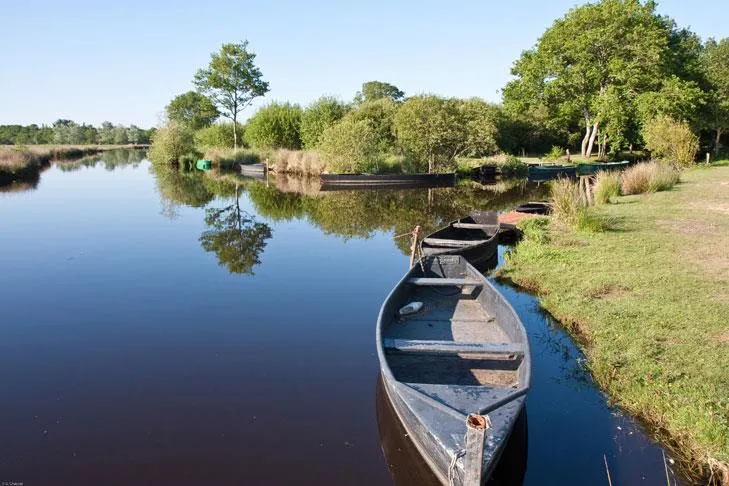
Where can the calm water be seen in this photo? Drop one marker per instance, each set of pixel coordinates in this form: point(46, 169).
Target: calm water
point(161, 327)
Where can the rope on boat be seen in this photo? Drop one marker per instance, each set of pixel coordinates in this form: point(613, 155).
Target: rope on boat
point(452, 468)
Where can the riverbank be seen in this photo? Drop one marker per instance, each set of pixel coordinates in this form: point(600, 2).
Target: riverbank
point(17, 161)
point(648, 302)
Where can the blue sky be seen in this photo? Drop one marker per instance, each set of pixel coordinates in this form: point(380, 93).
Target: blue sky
point(90, 62)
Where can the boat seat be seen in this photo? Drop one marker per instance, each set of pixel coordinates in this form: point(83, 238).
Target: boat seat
point(440, 282)
point(491, 227)
point(452, 347)
point(452, 243)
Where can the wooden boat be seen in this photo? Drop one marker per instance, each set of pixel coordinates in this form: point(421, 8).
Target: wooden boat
point(457, 371)
point(547, 172)
point(474, 237)
point(592, 169)
point(484, 172)
point(253, 170)
point(334, 182)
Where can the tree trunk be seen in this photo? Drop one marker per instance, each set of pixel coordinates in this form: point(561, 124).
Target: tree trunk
point(583, 151)
point(430, 164)
point(588, 152)
point(717, 143)
point(235, 133)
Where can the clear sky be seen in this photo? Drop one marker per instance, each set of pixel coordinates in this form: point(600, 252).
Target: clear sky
point(92, 61)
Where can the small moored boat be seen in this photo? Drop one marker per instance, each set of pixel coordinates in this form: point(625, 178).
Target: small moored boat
point(334, 182)
point(592, 169)
point(474, 237)
point(253, 170)
point(457, 371)
point(534, 208)
point(547, 172)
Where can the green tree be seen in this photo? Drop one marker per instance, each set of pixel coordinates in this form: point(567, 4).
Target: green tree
point(678, 99)
point(193, 110)
point(135, 134)
point(715, 61)
point(120, 135)
point(231, 81)
point(375, 90)
point(319, 116)
point(217, 135)
point(350, 146)
point(235, 237)
point(169, 143)
point(480, 127)
point(430, 128)
point(380, 114)
point(106, 133)
point(277, 125)
point(590, 65)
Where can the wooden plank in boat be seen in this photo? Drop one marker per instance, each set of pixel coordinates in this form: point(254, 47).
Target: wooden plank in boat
point(475, 226)
point(452, 243)
point(421, 346)
point(441, 282)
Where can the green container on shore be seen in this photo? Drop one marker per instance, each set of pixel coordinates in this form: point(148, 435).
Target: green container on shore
point(203, 164)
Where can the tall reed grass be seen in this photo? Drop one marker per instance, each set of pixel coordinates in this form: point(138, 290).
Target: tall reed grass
point(301, 162)
point(606, 187)
point(649, 177)
point(228, 158)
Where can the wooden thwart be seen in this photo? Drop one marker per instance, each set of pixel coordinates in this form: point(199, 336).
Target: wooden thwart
point(422, 346)
point(490, 227)
point(442, 282)
point(452, 243)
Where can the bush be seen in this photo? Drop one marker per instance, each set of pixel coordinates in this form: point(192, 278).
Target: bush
point(607, 185)
point(380, 114)
point(297, 162)
point(671, 141)
point(232, 158)
point(275, 126)
point(169, 143)
point(319, 116)
point(649, 177)
point(510, 166)
point(556, 153)
point(219, 135)
point(350, 147)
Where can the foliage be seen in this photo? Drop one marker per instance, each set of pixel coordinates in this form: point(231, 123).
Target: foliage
point(376, 90)
point(380, 114)
point(277, 125)
point(235, 237)
point(479, 123)
point(429, 128)
point(319, 116)
point(715, 63)
point(231, 81)
point(350, 146)
point(671, 141)
point(607, 186)
point(170, 143)
point(217, 135)
point(231, 158)
point(192, 110)
point(648, 177)
point(678, 99)
point(510, 166)
point(556, 153)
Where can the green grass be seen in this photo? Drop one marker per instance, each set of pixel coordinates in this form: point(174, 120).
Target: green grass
point(649, 301)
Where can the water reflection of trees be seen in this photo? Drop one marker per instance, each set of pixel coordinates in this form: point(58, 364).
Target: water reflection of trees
point(235, 237)
point(111, 160)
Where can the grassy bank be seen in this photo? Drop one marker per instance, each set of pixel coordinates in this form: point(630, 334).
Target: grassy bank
point(649, 301)
point(17, 160)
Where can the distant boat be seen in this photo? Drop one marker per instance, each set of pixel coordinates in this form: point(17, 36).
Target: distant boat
point(592, 169)
point(539, 173)
point(474, 237)
point(253, 170)
point(338, 182)
point(456, 372)
point(534, 208)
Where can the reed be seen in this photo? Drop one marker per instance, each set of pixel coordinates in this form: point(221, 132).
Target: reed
point(228, 158)
point(649, 177)
point(607, 186)
point(301, 162)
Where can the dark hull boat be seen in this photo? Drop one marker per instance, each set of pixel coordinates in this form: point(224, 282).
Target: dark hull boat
point(253, 170)
point(474, 237)
point(548, 172)
point(338, 182)
point(457, 371)
point(592, 169)
point(534, 208)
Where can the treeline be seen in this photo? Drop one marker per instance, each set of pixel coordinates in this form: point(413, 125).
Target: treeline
point(69, 132)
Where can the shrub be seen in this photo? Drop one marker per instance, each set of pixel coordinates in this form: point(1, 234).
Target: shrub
point(671, 141)
point(231, 158)
point(319, 116)
point(218, 135)
point(510, 166)
point(169, 143)
point(607, 185)
point(297, 162)
point(649, 177)
point(277, 125)
point(380, 114)
point(556, 153)
point(349, 146)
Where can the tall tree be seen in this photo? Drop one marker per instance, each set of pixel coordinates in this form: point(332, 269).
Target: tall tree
point(715, 62)
point(192, 110)
point(319, 116)
point(231, 81)
point(591, 64)
point(375, 90)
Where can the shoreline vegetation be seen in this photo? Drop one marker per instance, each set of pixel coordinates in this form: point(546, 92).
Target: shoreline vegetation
point(644, 293)
point(18, 161)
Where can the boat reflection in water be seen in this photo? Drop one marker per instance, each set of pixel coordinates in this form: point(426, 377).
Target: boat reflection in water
point(408, 468)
